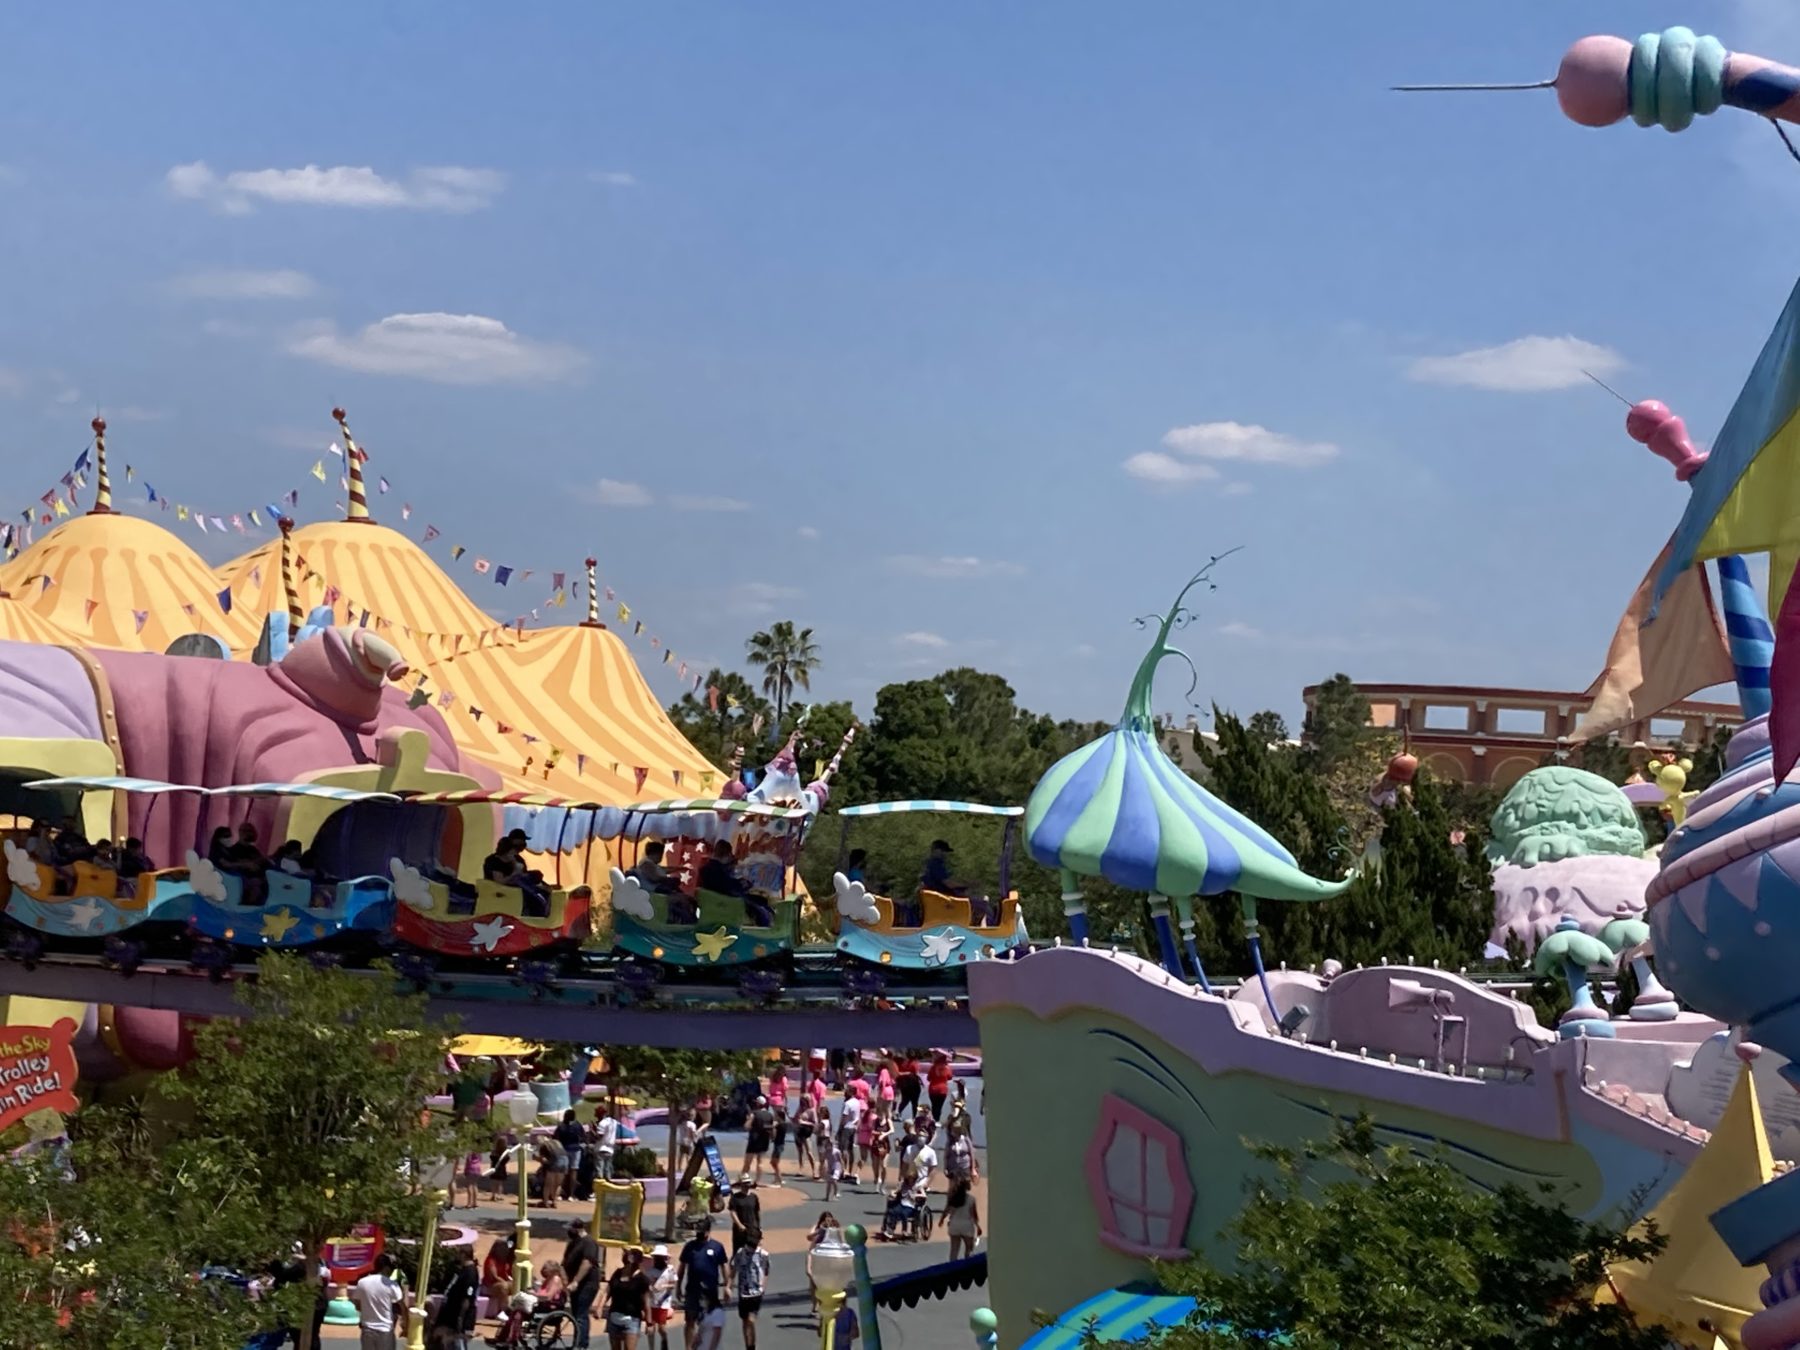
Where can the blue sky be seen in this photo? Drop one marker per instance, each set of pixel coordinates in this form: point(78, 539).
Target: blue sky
point(994, 320)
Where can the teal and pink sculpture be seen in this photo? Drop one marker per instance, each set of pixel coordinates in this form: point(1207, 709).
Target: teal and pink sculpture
point(1120, 808)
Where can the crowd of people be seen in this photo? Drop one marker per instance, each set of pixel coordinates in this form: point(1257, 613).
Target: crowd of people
point(61, 848)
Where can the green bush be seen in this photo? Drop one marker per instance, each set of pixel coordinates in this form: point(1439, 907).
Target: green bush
point(630, 1163)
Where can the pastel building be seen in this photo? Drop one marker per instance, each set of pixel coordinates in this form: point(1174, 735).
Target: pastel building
point(1495, 736)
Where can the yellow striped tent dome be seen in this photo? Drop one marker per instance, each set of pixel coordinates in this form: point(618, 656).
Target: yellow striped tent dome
point(126, 567)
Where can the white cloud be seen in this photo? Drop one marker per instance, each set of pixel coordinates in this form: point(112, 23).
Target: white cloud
point(1238, 629)
point(922, 639)
point(1153, 466)
point(808, 532)
point(708, 504)
point(1086, 650)
point(13, 383)
point(1527, 365)
point(137, 412)
point(230, 328)
point(410, 886)
point(758, 597)
point(204, 879)
point(612, 492)
point(853, 900)
point(242, 283)
point(613, 178)
point(446, 348)
point(629, 896)
point(445, 188)
point(1247, 444)
point(948, 568)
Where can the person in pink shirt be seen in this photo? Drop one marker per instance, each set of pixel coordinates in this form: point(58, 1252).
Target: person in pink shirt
point(884, 1082)
point(778, 1088)
point(857, 1087)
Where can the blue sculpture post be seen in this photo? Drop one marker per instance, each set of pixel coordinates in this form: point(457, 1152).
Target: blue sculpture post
point(1165, 935)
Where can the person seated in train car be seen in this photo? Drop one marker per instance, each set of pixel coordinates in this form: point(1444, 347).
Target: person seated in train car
point(40, 845)
point(856, 866)
point(218, 848)
point(286, 858)
point(104, 856)
point(650, 870)
point(71, 845)
point(133, 863)
point(245, 859)
point(718, 873)
point(935, 876)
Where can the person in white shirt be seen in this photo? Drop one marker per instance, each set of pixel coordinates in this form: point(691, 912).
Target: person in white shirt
point(381, 1306)
point(662, 1299)
point(849, 1118)
point(606, 1140)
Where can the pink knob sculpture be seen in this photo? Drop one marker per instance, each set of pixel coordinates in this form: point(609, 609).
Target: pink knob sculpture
point(1651, 423)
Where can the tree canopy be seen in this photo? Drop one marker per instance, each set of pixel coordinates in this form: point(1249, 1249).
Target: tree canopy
point(787, 657)
point(1350, 1245)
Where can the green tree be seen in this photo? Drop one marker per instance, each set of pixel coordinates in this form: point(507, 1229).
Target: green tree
point(1270, 726)
point(1353, 1246)
point(787, 657)
point(97, 1247)
point(1337, 720)
point(676, 1078)
point(715, 731)
point(318, 1098)
point(1604, 756)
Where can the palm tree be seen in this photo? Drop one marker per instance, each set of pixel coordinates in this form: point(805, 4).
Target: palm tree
point(788, 659)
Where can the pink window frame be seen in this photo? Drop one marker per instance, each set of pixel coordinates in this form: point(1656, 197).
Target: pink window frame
point(1114, 1112)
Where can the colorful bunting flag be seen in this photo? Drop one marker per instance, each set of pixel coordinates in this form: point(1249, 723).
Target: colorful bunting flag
point(225, 599)
point(139, 617)
point(624, 612)
point(556, 581)
point(457, 550)
point(318, 471)
point(640, 774)
point(431, 532)
point(406, 510)
point(501, 574)
point(88, 607)
point(381, 484)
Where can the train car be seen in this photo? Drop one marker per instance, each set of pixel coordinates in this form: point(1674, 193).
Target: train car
point(672, 919)
point(445, 915)
point(206, 904)
point(938, 931)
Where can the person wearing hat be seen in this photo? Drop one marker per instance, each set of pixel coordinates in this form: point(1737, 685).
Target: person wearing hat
point(662, 1299)
point(745, 1210)
point(935, 875)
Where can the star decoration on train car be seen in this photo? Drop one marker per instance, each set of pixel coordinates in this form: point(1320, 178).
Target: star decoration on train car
point(85, 914)
point(278, 923)
point(711, 946)
point(939, 947)
point(488, 935)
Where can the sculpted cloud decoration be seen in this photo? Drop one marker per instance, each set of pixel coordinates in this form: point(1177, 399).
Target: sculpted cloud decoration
point(630, 897)
point(20, 869)
point(853, 900)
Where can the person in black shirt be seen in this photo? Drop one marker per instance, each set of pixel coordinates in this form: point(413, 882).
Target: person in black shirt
point(502, 865)
point(456, 1314)
point(718, 873)
point(627, 1294)
point(581, 1264)
point(759, 1136)
point(745, 1210)
point(245, 856)
point(699, 1273)
point(573, 1137)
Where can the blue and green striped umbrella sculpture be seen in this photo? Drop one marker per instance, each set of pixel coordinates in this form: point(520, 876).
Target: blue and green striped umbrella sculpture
point(1120, 808)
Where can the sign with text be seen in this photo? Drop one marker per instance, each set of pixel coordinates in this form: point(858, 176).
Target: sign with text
point(37, 1071)
point(618, 1213)
point(351, 1257)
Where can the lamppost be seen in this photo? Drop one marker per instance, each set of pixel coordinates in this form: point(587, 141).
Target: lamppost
point(521, 1106)
point(436, 1179)
point(833, 1269)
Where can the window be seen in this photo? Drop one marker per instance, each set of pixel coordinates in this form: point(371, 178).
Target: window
point(1446, 718)
point(1137, 1175)
point(1519, 722)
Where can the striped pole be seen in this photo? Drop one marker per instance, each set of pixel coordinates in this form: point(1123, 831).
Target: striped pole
point(593, 618)
point(837, 759)
point(295, 617)
point(1747, 630)
point(102, 484)
point(358, 511)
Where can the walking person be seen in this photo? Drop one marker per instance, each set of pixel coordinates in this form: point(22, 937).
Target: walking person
point(571, 1134)
point(806, 1122)
point(553, 1166)
point(699, 1276)
point(760, 1136)
point(850, 1116)
point(909, 1084)
point(627, 1301)
point(746, 1212)
point(937, 1082)
point(749, 1277)
point(454, 1323)
point(830, 1163)
point(380, 1306)
point(662, 1299)
point(780, 1139)
point(606, 1143)
point(584, 1267)
point(962, 1219)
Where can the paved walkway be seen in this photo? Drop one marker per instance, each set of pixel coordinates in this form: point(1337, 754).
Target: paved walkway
point(789, 1213)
